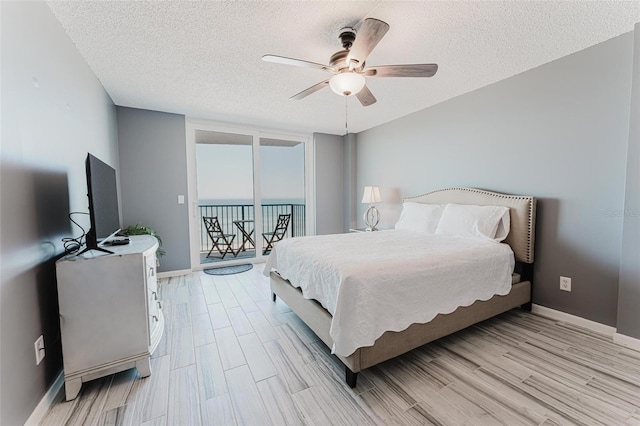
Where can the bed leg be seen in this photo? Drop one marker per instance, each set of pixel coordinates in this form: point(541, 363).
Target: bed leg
point(526, 307)
point(351, 377)
point(273, 296)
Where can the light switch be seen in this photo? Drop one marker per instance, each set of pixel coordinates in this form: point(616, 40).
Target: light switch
point(180, 199)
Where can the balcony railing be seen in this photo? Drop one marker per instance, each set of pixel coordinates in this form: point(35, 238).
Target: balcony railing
point(227, 214)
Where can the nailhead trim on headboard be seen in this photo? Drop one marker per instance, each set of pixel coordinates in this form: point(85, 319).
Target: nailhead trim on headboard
point(483, 197)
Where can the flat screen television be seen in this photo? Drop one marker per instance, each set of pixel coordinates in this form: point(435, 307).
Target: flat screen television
point(103, 203)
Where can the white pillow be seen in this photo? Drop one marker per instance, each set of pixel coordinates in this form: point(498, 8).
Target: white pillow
point(420, 217)
point(479, 222)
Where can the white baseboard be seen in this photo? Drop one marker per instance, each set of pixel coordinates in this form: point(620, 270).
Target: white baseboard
point(44, 404)
point(629, 342)
point(572, 319)
point(177, 273)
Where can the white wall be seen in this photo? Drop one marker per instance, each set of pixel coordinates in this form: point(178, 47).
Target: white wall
point(558, 132)
point(54, 111)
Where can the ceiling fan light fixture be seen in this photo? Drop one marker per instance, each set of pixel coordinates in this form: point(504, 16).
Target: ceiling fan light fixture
point(347, 83)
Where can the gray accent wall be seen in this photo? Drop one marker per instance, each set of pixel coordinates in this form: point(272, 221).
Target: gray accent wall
point(329, 185)
point(629, 291)
point(54, 110)
point(153, 170)
point(559, 132)
point(350, 164)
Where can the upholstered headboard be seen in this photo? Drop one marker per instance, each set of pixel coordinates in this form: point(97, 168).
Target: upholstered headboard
point(522, 210)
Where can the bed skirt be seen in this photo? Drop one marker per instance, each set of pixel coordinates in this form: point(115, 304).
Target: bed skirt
point(392, 344)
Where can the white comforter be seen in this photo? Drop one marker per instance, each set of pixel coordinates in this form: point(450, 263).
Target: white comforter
point(385, 281)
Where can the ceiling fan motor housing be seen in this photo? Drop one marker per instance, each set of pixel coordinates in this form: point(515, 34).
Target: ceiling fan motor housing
point(339, 59)
point(347, 37)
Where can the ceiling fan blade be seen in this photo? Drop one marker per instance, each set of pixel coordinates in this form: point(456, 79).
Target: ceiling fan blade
point(367, 38)
point(412, 70)
point(365, 97)
point(297, 62)
point(310, 90)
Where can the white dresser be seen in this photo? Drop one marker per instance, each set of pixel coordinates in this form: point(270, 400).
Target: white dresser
point(110, 314)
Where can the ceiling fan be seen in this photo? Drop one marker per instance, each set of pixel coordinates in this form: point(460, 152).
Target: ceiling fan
point(348, 65)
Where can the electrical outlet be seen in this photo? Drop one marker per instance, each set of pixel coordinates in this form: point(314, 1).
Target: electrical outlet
point(39, 345)
point(565, 283)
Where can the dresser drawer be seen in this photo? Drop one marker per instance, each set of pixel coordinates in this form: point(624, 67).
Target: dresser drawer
point(154, 312)
point(150, 272)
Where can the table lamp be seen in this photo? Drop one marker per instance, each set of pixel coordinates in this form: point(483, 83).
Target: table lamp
point(372, 215)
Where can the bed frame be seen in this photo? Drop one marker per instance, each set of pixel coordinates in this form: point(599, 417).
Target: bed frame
point(521, 239)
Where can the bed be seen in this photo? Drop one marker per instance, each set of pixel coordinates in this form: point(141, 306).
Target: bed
point(358, 353)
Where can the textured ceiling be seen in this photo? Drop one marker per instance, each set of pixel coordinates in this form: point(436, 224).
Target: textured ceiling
point(202, 59)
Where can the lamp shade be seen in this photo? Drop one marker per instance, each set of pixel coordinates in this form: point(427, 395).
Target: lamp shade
point(371, 195)
point(347, 83)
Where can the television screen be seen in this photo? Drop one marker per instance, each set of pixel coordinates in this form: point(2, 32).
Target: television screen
point(103, 201)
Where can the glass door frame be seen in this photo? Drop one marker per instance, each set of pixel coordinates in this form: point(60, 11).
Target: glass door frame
point(191, 125)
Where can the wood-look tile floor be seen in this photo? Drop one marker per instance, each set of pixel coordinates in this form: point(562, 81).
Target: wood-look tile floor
point(230, 355)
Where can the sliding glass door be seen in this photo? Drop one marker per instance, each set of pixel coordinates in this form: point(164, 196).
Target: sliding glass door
point(224, 182)
point(282, 179)
point(248, 189)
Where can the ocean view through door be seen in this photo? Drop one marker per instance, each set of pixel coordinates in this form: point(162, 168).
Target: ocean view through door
point(226, 212)
point(282, 178)
point(250, 191)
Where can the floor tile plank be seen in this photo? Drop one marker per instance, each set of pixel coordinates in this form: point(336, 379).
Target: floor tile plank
point(239, 321)
point(218, 316)
point(291, 373)
point(184, 406)
point(211, 295)
point(263, 329)
point(218, 411)
point(202, 330)
point(227, 297)
point(247, 403)
point(278, 402)
point(211, 379)
point(120, 388)
point(119, 416)
point(90, 405)
point(182, 347)
point(231, 354)
point(158, 421)
point(309, 403)
point(151, 393)
point(257, 359)
point(198, 304)
point(181, 315)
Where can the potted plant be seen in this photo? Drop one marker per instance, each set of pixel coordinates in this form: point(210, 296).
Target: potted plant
point(138, 229)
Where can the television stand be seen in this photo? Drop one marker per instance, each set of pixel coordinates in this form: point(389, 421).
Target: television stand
point(110, 313)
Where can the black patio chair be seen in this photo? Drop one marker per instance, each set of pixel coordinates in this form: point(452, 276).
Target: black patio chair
point(277, 234)
point(219, 240)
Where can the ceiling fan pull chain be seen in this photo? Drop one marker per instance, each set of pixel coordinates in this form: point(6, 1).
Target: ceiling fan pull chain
point(346, 116)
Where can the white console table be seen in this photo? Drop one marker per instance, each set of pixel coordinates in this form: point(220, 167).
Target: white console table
point(110, 316)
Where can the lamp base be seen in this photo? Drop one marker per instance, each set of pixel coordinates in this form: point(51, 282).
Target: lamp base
point(371, 218)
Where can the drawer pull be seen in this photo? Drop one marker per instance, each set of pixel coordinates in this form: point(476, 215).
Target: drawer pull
point(155, 295)
point(159, 304)
point(156, 318)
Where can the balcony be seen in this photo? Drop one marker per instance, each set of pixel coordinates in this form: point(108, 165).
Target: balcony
point(228, 214)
